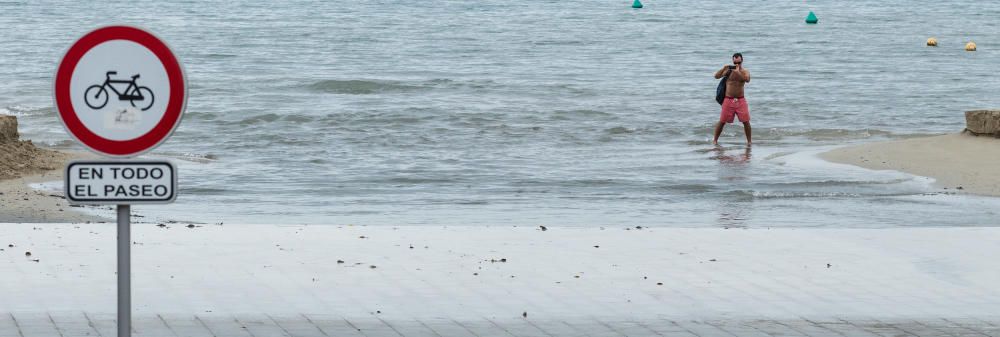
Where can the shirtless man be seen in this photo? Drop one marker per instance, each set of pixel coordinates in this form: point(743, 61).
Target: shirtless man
point(735, 104)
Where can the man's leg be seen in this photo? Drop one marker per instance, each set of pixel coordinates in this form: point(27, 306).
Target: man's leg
point(746, 129)
point(718, 132)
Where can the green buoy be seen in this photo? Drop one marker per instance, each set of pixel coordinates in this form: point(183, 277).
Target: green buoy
point(809, 19)
point(636, 4)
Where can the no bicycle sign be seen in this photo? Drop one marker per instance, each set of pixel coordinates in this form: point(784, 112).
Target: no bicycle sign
point(120, 92)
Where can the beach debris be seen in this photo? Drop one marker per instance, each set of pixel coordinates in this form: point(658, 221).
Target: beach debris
point(959, 188)
point(372, 266)
point(340, 261)
point(596, 246)
point(27, 253)
point(543, 228)
point(659, 283)
point(525, 314)
point(475, 274)
point(190, 226)
point(411, 246)
point(811, 18)
point(971, 46)
point(10, 246)
point(362, 237)
point(161, 225)
point(34, 260)
point(932, 42)
point(829, 265)
point(636, 4)
point(712, 260)
point(638, 227)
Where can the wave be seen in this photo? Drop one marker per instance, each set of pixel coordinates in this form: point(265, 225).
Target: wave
point(203, 158)
point(361, 87)
point(837, 183)
point(757, 194)
point(260, 119)
point(821, 134)
point(26, 110)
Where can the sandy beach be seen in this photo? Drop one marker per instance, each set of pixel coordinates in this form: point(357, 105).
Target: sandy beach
point(22, 163)
point(958, 162)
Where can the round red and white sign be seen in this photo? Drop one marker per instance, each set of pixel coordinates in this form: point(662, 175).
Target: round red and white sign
point(120, 91)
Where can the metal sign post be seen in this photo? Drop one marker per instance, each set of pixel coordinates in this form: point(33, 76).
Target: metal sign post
point(124, 271)
point(120, 118)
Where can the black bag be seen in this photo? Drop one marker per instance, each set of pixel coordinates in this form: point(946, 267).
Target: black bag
point(720, 92)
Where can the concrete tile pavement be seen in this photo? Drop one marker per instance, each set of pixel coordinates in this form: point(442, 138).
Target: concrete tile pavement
point(478, 281)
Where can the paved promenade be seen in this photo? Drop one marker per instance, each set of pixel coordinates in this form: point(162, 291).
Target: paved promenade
point(234, 280)
point(248, 325)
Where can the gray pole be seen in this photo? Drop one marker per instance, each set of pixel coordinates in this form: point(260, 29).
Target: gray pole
point(124, 272)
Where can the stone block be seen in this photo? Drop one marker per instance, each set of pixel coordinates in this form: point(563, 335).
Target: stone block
point(983, 122)
point(8, 129)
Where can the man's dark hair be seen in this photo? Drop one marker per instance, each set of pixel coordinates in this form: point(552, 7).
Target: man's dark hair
point(738, 54)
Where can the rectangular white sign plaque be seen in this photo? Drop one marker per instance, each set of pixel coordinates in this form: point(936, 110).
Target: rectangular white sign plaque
point(121, 182)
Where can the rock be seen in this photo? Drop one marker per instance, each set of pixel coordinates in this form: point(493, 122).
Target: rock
point(8, 129)
point(983, 122)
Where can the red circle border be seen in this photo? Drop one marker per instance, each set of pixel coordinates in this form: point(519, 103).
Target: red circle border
point(135, 146)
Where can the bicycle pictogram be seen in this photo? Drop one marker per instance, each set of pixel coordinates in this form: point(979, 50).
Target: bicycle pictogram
point(96, 96)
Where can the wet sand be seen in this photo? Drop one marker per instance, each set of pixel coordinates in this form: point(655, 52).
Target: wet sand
point(21, 203)
point(958, 162)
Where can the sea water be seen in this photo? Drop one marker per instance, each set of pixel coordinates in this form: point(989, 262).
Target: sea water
point(489, 112)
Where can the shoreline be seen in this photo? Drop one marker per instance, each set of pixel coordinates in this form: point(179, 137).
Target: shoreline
point(23, 163)
point(961, 163)
point(24, 204)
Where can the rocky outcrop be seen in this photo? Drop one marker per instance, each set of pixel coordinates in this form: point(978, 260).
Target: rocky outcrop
point(21, 157)
point(983, 122)
point(8, 129)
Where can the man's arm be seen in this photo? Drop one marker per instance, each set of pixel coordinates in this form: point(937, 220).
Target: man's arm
point(720, 73)
point(746, 76)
